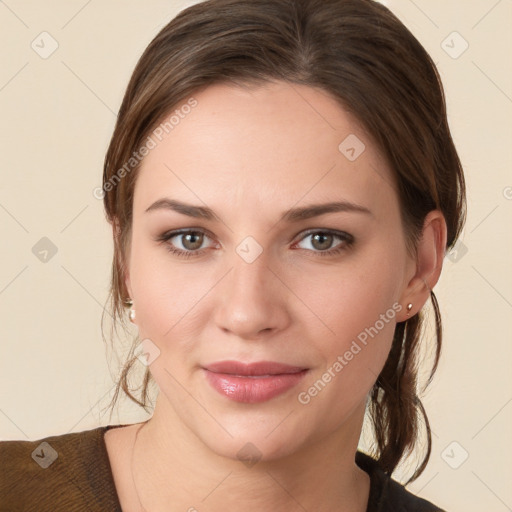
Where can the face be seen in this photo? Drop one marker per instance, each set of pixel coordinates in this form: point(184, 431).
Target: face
point(229, 262)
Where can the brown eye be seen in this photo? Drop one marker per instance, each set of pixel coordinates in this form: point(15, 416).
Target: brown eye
point(324, 243)
point(186, 243)
point(192, 240)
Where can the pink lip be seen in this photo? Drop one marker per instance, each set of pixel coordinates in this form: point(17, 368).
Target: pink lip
point(254, 382)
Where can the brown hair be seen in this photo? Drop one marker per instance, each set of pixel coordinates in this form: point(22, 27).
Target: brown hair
point(364, 57)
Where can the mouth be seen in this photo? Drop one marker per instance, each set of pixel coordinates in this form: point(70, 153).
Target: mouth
point(253, 382)
point(257, 369)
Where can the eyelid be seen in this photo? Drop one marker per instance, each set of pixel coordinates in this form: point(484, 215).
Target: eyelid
point(346, 242)
point(335, 232)
point(167, 235)
point(175, 232)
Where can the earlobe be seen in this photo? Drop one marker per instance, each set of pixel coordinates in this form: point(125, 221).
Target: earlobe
point(430, 253)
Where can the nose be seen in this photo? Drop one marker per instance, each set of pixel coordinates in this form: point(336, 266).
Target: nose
point(252, 300)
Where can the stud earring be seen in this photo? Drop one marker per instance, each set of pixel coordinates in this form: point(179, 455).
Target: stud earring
point(409, 307)
point(131, 314)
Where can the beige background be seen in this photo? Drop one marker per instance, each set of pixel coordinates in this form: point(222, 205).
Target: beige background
point(57, 117)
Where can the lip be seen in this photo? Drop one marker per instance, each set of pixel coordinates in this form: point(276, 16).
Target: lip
point(253, 382)
point(256, 369)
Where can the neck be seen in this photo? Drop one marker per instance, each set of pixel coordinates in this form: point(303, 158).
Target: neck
point(171, 465)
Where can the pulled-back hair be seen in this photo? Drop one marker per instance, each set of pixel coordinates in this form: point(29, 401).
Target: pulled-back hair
point(363, 56)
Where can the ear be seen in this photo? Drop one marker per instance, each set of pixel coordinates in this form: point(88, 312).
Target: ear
point(122, 260)
point(427, 268)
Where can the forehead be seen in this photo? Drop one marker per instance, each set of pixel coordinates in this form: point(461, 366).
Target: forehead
point(255, 145)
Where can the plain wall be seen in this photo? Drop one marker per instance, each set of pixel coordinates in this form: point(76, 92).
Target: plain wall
point(57, 116)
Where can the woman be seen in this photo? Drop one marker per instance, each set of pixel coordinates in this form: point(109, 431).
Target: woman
point(282, 187)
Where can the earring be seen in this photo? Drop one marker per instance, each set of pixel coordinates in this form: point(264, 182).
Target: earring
point(131, 314)
point(409, 307)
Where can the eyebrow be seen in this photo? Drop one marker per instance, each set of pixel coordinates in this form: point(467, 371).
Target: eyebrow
point(291, 215)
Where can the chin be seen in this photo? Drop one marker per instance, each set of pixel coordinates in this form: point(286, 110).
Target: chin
point(252, 449)
point(254, 439)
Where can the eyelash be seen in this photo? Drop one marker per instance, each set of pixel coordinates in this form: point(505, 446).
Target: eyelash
point(347, 242)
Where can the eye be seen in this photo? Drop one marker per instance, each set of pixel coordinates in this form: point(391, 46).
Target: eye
point(189, 242)
point(185, 243)
point(321, 241)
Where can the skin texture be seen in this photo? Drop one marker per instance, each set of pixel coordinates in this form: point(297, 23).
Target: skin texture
point(249, 154)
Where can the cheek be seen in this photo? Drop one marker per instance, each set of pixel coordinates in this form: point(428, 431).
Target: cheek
point(360, 308)
point(363, 318)
point(164, 292)
point(352, 295)
point(337, 301)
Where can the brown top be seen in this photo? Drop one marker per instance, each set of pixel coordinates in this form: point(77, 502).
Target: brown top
point(72, 473)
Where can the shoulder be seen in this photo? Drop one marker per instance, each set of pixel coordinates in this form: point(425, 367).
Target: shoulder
point(386, 494)
point(62, 472)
